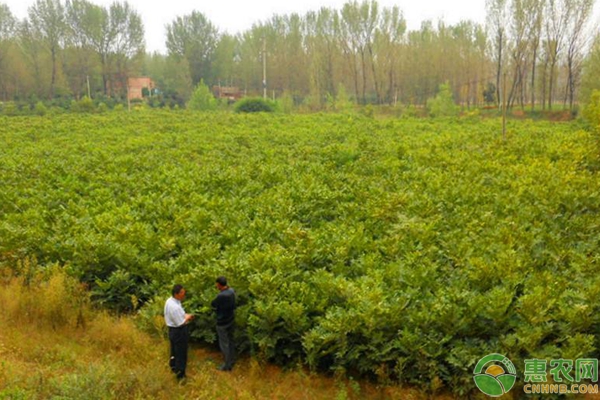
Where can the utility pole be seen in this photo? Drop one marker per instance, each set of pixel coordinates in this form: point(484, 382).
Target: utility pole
point(264, 57)
point(88, 86)
point(504, 102)
point(128, 99)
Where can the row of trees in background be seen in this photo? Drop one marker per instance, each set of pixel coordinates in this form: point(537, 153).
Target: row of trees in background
point(67, 50)
point(363, 49)
point(541, 45)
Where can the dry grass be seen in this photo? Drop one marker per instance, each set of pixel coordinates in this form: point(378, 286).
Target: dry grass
point(53, 344)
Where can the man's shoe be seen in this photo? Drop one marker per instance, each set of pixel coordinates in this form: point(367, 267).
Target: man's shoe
point(224, 368)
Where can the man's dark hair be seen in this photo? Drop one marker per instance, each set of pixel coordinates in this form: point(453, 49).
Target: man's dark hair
point(222, 281)
point(176, 289)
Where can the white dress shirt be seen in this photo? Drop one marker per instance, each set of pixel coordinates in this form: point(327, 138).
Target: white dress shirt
point(174, 313)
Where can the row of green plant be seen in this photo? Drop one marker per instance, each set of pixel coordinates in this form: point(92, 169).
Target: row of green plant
point(403, 249)
point(202, 99)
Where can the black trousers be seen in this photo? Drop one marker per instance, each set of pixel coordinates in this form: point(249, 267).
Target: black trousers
point(227, 344)
point(179, 339)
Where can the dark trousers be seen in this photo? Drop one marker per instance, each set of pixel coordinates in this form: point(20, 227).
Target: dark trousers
point(179, 346)
point(226, 343)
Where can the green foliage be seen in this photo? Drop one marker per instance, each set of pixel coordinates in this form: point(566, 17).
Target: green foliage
point(311, 103)
point(442, 105)
point(15, 394)
point(591, 111)
point(202, 99)
point(489, 94)
point(57, 110)
point(40, 109)
point(286, 103)
point(193, 38)
point(410, 111)
point(368, 111)
point(402, 249)
point(590, 80)
point(150, 318)
point(472, 115)
point(342, 100)
point(255, 105)
point(117, 292)
point(85, 105)
point(10, 109)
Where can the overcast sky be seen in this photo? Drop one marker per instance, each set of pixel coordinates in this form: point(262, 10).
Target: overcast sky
point(235, 16)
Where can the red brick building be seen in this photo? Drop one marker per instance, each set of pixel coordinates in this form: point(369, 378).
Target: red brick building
point(137, 86)
point(231, 93)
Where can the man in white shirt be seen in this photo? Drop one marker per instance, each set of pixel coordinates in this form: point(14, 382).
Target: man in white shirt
point(177, 321)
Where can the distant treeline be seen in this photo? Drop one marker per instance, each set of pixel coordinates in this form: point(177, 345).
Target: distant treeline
point(65, 50)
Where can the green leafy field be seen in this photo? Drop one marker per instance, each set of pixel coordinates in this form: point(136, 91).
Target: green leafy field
point(406, 249)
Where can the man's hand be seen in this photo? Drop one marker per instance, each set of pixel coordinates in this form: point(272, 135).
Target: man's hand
point(188, 318)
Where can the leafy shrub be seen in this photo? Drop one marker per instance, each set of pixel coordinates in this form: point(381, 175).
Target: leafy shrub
point(109, 101)
point(10, 109)
point(118, 292)
point(410, 111)
point(311, 103)
point(254, 105)
point(591, 111)
point(368, 111)
point(40, 109)
point(489, 94)
point(342, 100)
point(85, 105)
point(442, 105)
point(202, 99)
point(57, 110)
point(74, 106)
point(150, 318)
point(286, 103)
point(472, 115)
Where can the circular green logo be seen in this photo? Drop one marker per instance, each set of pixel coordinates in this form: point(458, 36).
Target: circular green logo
point(499, 376)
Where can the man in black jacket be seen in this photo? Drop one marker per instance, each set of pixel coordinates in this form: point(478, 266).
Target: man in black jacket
point(224, 306)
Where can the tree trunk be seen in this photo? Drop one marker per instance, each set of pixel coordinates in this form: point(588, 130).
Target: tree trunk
point(356, 89)
point(533, 78)
point(104, 62)
point(499, 70)
point(364, 76)
point(544, 84)
point(551, 84)
point(330, 78)
point(392, 83)
point(374, 75)
point(53, 79)
point(571, 83)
